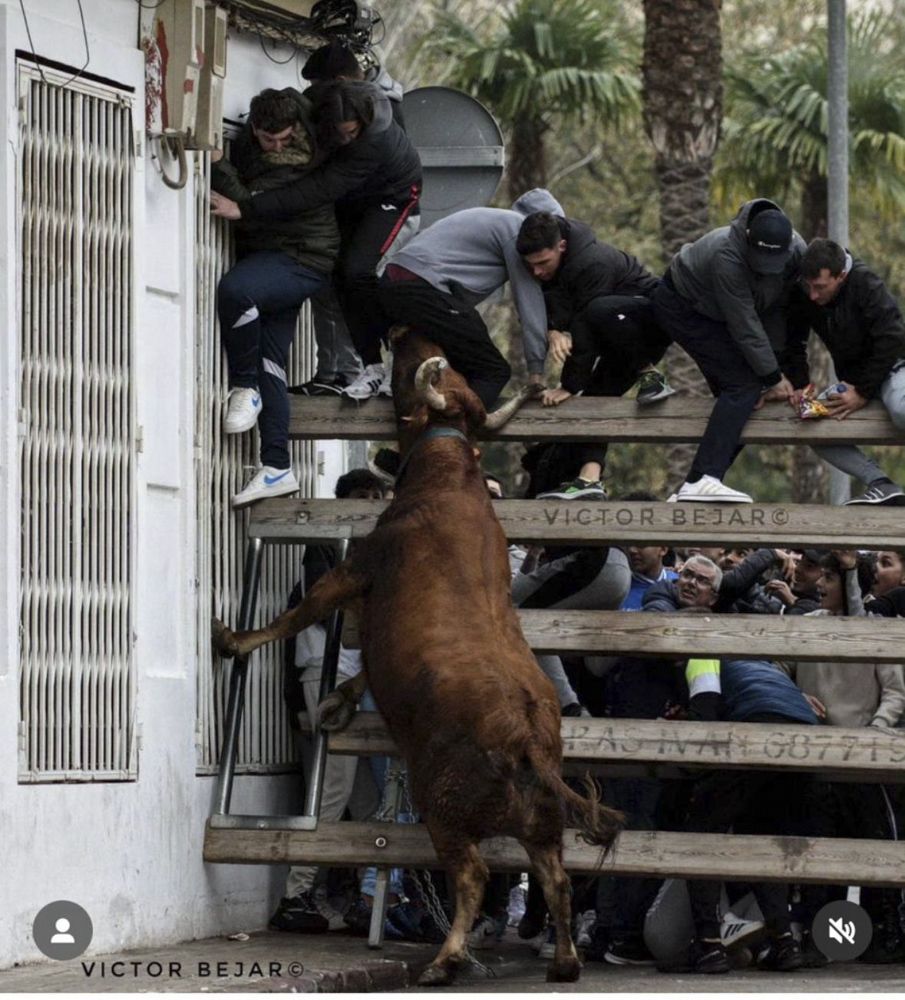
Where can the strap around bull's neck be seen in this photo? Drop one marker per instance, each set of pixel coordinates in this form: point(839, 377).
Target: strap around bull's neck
point(428, 435)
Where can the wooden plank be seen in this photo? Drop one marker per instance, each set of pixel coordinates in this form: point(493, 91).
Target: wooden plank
point(771, 637)
point(679, 418)
point(877, 754)
point(683, 855)
point(541, 522)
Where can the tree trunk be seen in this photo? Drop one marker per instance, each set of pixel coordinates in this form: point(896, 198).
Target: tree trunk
point(683, 105)
point(813, 207)
point(527, 166)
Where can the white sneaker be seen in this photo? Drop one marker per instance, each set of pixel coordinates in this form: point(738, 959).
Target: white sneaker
point(367, 384)
point(386, 386)
point(243, 406)
point(736, 932)
point(710, 490)
point(584, 928)
point(267, 482)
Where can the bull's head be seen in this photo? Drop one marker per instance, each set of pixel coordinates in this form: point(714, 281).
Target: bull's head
point(427, 390)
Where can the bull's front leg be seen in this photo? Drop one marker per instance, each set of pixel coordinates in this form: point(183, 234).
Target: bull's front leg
point(336, 589)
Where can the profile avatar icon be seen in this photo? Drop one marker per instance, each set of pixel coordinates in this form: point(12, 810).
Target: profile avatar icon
point(62, 935)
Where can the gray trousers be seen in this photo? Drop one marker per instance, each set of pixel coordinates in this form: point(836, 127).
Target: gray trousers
point(850, 459)
point(335, 353)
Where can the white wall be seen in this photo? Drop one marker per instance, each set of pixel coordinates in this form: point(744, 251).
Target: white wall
point(129, 852)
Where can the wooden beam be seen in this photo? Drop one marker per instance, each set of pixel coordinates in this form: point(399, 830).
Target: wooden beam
point(680, 418)
point(868, 753)
point(570, 522)
point(770, 637)
point(682, 855)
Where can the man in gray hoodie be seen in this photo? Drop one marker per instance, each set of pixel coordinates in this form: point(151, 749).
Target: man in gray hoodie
point(434, 283)
point(721, 300)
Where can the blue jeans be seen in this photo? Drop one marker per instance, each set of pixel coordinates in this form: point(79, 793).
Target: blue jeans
point(258, 301)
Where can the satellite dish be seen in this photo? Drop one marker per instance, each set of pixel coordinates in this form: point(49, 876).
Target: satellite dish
point(461, 149)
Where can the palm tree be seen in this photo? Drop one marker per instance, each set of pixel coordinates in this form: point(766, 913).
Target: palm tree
point(683, 100)
point(775, 137)
point(540, 64)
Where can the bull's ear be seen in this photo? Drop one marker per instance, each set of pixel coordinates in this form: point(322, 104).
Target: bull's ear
point(473, 408)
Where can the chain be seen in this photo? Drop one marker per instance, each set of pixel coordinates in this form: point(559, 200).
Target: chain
point(428, 891)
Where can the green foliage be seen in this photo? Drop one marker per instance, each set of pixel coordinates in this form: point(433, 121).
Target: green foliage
point(542, 58)
point(775, 130)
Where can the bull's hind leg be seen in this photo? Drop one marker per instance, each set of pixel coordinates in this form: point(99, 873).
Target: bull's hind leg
point(464, 863)
point(335, 589)
point(547, 863)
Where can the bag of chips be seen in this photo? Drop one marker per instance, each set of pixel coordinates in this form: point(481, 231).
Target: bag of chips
point(813, 404)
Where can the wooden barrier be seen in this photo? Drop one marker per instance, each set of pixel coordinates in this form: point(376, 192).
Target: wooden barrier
point(685, 855)
point(868, 754)
point(599, 419)
point(770, 637)
point(572, 522)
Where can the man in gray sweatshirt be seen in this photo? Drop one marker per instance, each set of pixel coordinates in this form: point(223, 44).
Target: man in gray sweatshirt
point(434, 283)
point(721, 300)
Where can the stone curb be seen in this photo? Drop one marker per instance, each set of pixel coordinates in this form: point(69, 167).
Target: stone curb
point(382, 976)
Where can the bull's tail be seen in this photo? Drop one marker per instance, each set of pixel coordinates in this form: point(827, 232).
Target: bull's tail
point(596, 822)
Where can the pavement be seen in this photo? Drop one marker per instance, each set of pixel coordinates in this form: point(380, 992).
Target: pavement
point(272, 962)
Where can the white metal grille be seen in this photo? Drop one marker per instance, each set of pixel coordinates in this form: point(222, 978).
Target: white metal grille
point(223, 464)
point(76, 328)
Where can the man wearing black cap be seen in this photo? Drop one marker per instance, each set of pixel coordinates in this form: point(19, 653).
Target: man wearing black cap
point(721, 301)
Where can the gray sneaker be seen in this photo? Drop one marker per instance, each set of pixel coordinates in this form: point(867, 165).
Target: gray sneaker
point(881, 493)
point(652, 387)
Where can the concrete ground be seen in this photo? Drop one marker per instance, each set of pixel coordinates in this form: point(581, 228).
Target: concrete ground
point(337, 962)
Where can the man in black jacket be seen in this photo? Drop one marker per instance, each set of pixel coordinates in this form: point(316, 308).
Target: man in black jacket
point(600, 326)
point(280, 265)
point(852, 312)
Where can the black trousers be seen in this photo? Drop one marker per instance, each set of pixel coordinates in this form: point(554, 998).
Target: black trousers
point(367, 236)
point(452, 325)
point(731, 379)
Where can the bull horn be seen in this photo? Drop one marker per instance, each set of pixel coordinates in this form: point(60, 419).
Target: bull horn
point(507, 411)
point(424, 385)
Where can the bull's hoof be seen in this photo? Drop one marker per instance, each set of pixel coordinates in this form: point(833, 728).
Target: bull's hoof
point(334, 712)
point(223, 639)
point(564, 972)
point(436, 975)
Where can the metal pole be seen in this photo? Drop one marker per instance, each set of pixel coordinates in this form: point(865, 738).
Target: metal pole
point(837, 165)
point(251, 578)
point(328, 682)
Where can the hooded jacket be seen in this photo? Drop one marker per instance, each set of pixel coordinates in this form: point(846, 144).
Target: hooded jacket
point(715, 275)
point(590, 270)
point(380, 166)
point(470, 254)
point(311, 237)
point(862, 328)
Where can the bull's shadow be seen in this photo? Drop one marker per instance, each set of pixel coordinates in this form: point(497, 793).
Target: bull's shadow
point(476, 720)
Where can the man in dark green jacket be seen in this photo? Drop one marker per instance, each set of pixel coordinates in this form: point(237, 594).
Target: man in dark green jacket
point(281, 264)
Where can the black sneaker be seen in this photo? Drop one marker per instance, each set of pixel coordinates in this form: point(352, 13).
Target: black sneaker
point(782, 954)
point(879, 494)
point(811, 956)
point(630, 951)
point(599, 946)
point(358, 918)
point(577, 489)
point(300, 915)
point(701, 958)
point(320, 387)
point(652, 387)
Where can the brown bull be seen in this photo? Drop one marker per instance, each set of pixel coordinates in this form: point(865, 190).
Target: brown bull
point(461, 693)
